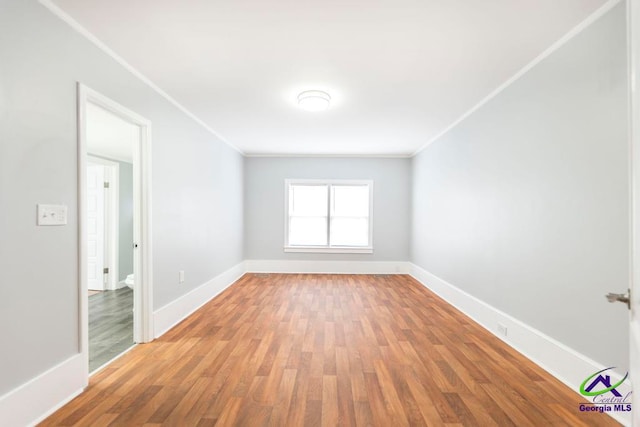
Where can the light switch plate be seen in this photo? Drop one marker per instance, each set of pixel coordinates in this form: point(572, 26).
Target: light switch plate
point(52, 214)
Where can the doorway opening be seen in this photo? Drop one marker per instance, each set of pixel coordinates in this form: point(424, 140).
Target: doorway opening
point(115, 228)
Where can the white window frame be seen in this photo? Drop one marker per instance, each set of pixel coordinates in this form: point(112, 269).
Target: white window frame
point(329, 248)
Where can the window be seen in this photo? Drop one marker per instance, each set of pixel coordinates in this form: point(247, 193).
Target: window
point(328, 216)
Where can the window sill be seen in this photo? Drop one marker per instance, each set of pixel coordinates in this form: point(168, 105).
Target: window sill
point(316, 250)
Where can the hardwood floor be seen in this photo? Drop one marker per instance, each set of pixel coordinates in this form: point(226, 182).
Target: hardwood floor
point(110, 325)
point(325, 350)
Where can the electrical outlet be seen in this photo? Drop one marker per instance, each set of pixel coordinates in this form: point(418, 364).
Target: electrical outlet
point(502, 329)
point(181, 276)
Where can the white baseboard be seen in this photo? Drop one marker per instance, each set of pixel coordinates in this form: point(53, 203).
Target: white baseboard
point(564, 363)
point(327, 267)
point(35, 400)
point(176, 311)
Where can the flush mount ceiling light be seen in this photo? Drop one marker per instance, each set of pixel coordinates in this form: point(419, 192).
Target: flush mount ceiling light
point(314, 100)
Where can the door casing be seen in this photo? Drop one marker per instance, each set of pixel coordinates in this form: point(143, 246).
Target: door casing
point(633, 25)
point(143, 261)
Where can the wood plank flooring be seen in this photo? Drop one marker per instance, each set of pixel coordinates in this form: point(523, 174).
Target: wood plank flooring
point(325, 350)
point(110, 325)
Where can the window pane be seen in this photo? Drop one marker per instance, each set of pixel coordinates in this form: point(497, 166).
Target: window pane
point(308, 200)
point(308, 231)
point(350, 231)
point(351, 200)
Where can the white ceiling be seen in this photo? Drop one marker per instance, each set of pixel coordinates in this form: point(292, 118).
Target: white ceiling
point(399, 71)
point(110, 136)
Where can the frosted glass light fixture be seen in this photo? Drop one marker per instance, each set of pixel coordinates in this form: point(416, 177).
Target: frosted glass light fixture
point(314, 100)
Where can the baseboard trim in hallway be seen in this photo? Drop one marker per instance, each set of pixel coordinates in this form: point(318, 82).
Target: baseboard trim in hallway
point(565, 364)
point(33, 401)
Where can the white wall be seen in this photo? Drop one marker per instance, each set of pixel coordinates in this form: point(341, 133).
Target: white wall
point(525, 203)
point(264, 204)
point(197, 188)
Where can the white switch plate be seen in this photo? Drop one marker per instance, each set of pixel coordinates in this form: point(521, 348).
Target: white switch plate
point(52, 215)
point(181, 276)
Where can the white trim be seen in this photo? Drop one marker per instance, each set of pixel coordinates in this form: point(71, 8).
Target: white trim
point(142, 236)
point(38, 398)
point(83, 300)
point(330, 250)
point(327, 267)
point(179, 309)
point(112, 218)
point(331, 155)
point(559, 360)
point(601, 11)
point(633, 71)
point(57, 11)
point(330, 181)
point(143, 260)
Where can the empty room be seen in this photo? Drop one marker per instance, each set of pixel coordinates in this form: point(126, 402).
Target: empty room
point(319, 213)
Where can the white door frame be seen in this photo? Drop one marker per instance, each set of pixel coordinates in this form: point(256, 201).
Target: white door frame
point(112, 219)
point(633, 22)
point(143, 267)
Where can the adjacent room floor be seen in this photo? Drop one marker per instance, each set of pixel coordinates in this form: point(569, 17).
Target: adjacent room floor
point(297, 349)
point(110, 325)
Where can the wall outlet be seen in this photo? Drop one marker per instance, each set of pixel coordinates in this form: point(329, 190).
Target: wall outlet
point(502, 329)
point(181, 276)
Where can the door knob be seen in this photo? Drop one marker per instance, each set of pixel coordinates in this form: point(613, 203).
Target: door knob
point(625, 298)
